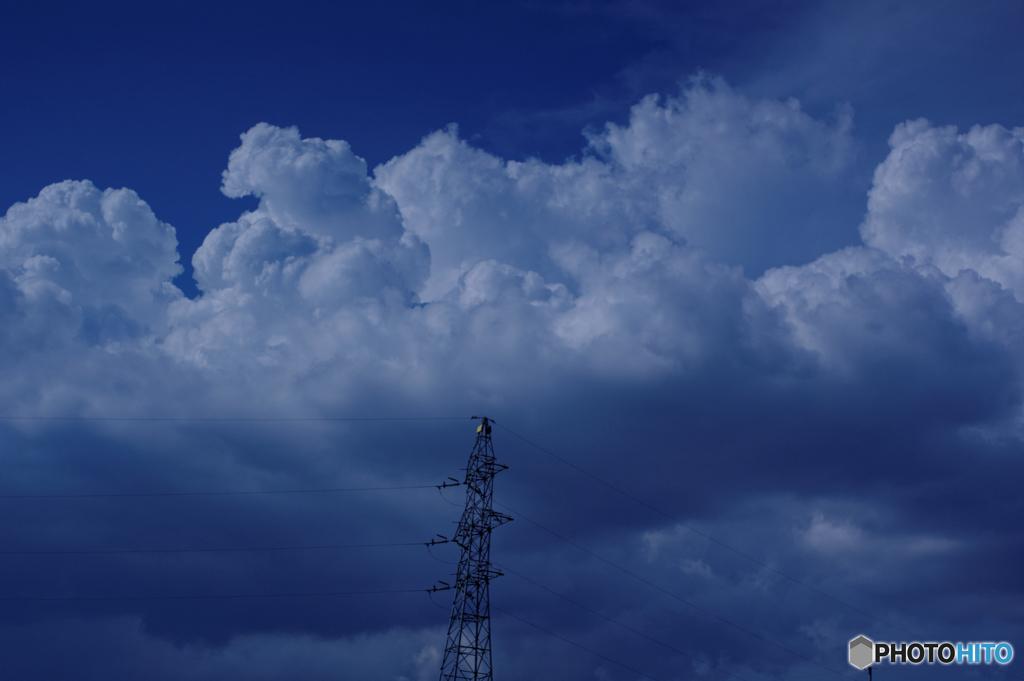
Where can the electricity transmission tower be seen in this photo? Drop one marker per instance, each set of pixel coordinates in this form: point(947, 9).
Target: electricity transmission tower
point(467, 654)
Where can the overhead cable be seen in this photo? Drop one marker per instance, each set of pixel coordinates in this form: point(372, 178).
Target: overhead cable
point(706, 536)
point(573, 643)
point(224, 550)
point(669, 593)
point(228, 418)
point(509, 570)
point(207, 597)
point(212, 494)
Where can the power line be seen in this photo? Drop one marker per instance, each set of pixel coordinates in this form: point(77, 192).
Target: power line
point(226, 418)
point(573, 643)
point(706, 536)
point(617, 623)
point(509, 570)
point(669, 593)
point(212, 494)
point(206, 597)
point(224, 550)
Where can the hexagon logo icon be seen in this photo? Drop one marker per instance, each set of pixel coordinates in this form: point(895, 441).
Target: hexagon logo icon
point(862, 652)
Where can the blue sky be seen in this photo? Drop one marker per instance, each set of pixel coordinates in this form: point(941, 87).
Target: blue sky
point(756, 268)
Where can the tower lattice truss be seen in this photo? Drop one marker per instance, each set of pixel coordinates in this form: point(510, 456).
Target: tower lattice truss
point(467, 654)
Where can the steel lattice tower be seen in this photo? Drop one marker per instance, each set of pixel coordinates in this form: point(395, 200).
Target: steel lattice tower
point(468, 652)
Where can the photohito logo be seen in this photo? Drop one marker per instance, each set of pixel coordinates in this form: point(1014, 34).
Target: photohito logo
point(865, 652)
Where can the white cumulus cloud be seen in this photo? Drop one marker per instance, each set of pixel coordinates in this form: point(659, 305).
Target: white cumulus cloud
point(952, 200)
point(100, 258)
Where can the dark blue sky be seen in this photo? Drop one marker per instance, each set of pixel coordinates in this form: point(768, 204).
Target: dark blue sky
point(154, 97)
point(756, 268)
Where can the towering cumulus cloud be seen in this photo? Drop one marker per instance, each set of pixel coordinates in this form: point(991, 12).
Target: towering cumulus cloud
point(99, 258)
point(85, 276)
point(813, 395)
point(943, 246)
point(954, 201)
point(678, 169)
point(321, 241)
